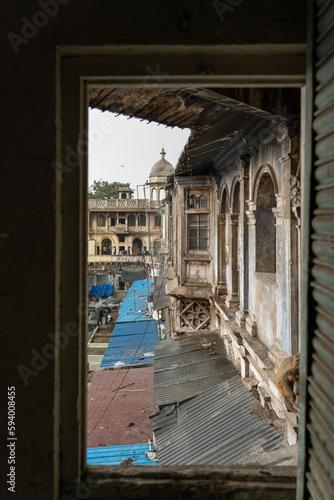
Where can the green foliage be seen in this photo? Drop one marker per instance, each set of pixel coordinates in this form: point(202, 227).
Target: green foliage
point(105, 190)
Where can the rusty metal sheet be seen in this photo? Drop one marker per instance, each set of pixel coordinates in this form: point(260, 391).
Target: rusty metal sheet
point(183, 368)
point(215, 427)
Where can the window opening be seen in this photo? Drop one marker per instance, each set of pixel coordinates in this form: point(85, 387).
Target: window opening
point(198, 231)
point(265, 226)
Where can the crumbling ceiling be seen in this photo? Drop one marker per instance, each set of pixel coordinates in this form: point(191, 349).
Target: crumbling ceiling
point(218, 122)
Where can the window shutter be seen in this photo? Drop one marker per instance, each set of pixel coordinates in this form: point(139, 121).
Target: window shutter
point(320, 382)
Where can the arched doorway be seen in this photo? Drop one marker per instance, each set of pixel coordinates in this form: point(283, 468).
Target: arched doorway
point(233, 296)
point(106, 246)
point(137, 246)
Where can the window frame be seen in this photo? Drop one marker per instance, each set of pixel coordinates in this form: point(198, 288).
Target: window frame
point(198, 228)
point(100, 216)
point(76, 70)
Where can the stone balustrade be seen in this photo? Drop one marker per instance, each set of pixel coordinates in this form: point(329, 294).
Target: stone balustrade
point(123, 204)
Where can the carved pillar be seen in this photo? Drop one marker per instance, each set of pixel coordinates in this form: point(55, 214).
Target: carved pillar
point(250, 321)
point(232, 299)
point(280, 272)
point(243, 244)
point(295, 194)
point(221, 285)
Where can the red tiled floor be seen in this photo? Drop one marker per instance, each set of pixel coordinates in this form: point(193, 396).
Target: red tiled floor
point(117, 398)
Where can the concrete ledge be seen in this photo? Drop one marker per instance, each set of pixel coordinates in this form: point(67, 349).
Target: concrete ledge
point(191, 482)
point(252, 358)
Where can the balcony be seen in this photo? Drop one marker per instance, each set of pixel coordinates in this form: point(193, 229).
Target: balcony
point(123, 204)
point(119, 228)
point(106, 259)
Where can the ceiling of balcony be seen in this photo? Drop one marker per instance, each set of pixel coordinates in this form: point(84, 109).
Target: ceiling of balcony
point(235, 120)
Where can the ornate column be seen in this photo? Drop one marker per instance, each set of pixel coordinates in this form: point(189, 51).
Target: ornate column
point(221, 284)
point(243, 245)
point(250, 321)
point(280, 268)
point(232, 299)
point(295, 196)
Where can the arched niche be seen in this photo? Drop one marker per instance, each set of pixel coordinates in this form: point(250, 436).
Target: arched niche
point(101, 220)
point(265, 232)
point(132, 220)
point(137, 246)
point(142, 220)
point(234, 254)
point(223, 209)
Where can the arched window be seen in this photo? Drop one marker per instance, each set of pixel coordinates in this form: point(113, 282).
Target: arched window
point(101, 220)
point(265, 226)
point(142, 220)
point(162, 193)
point(131, 220)
point(203, 201)
point(154, 194)
point(192, 201)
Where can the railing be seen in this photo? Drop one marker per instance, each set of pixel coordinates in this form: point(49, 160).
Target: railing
point(119, 228)
point(104, 259)
point(127, 203)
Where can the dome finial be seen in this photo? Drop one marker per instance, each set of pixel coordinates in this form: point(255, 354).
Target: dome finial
point(163, 153)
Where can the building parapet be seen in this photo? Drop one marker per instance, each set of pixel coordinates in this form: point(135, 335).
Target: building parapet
point(123, 203)
point(105, 259)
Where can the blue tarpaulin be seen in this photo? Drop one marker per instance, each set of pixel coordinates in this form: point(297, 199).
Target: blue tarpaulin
point(104, 290)
point(134, 305)
point(115, 455)
point(129, 351)
point(135, 334)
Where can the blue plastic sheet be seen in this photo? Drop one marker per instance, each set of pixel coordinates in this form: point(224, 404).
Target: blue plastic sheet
point(115, 455)
point(134, 306)
point(104, 290)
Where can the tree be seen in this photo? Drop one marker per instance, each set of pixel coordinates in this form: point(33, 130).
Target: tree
point(105, 190)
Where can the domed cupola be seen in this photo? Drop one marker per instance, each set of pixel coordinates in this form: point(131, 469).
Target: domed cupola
point(162, 167)
point(158, 177)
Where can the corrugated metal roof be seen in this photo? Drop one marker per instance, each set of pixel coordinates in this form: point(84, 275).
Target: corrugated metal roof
point(115, 455)
point(134, 336)
point(215, 427)
point(134, 305)
point(183, 368)
point(135, 328)
point(131, 344)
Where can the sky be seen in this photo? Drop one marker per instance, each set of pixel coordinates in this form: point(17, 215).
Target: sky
point(116, 141)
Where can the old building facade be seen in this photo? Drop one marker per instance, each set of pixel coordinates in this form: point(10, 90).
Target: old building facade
point(234, 266)
point(254, 44)
point(127, 228)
